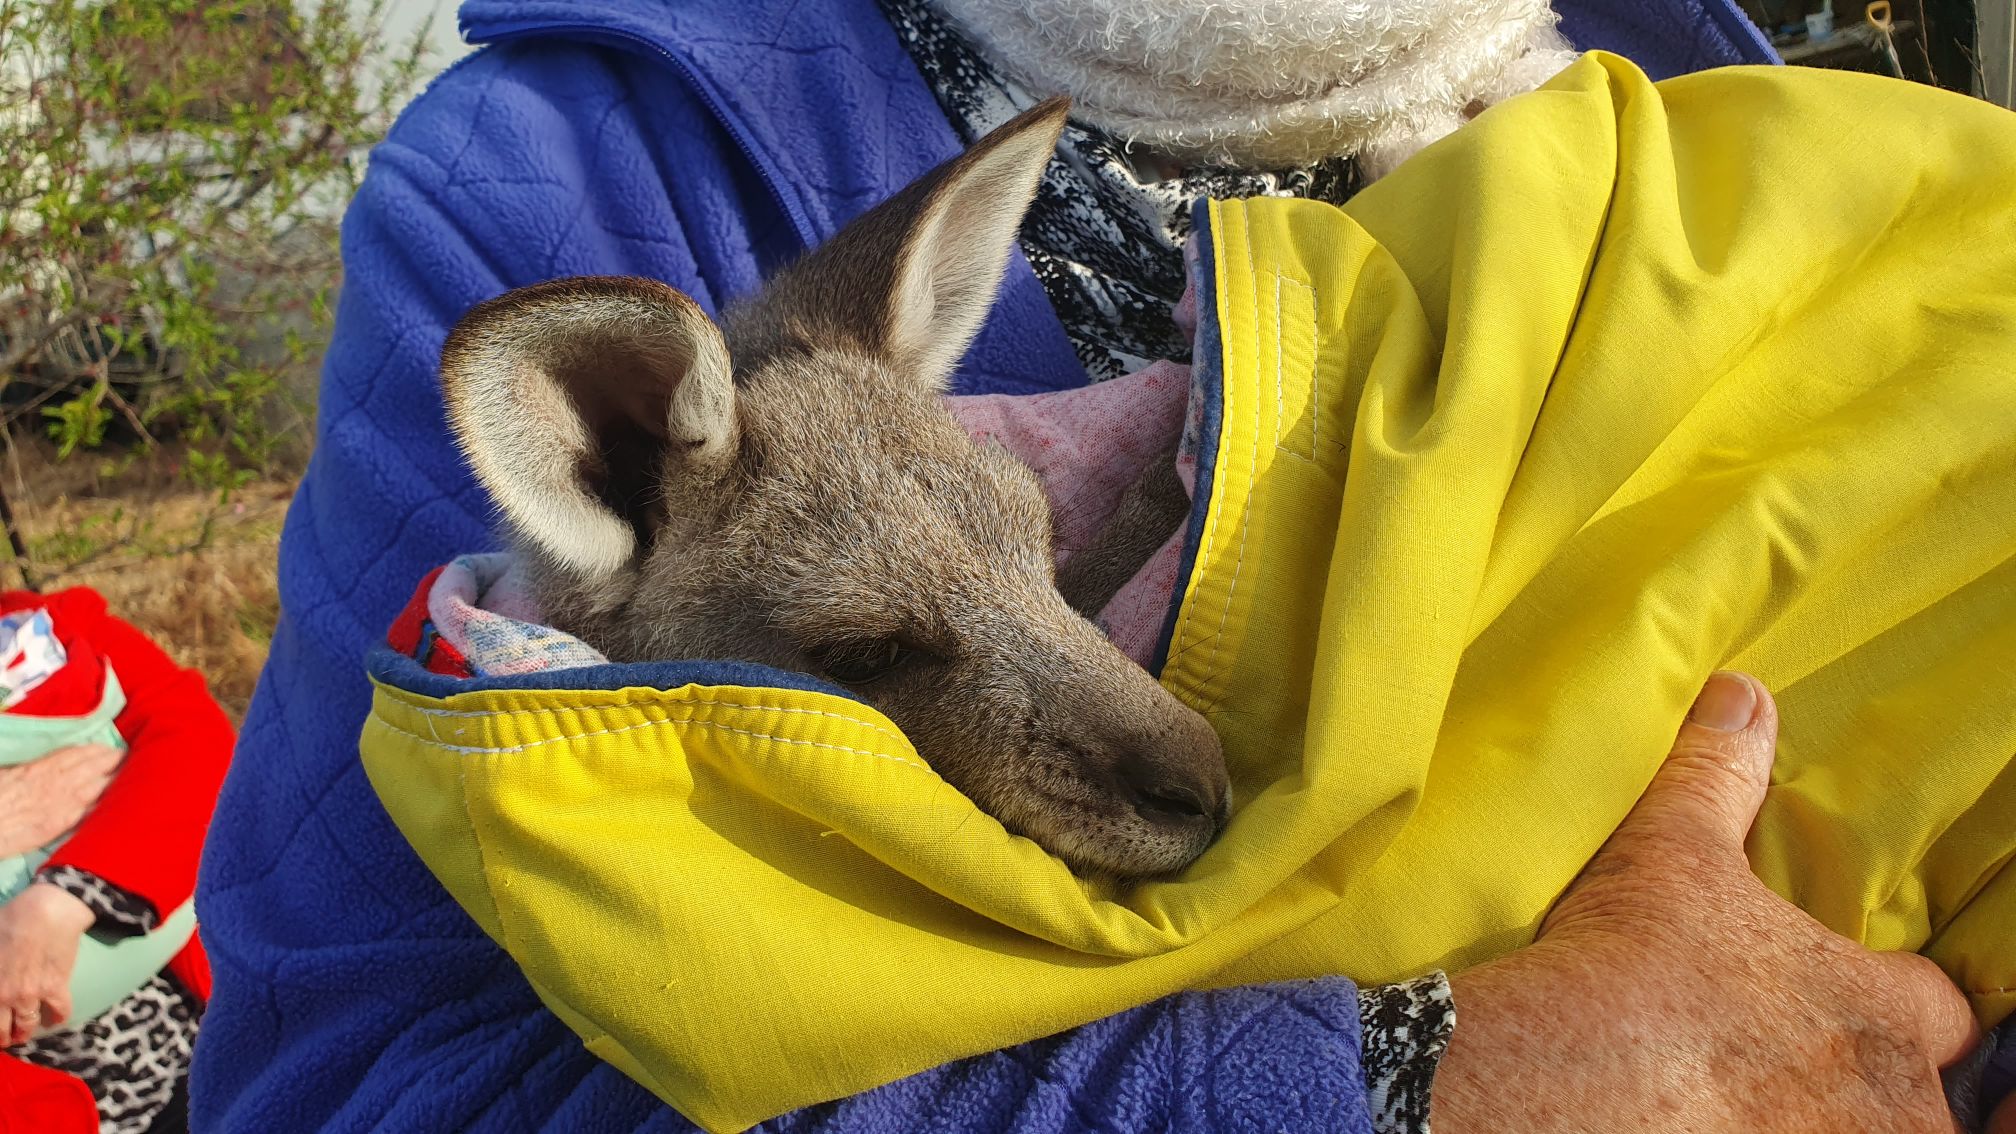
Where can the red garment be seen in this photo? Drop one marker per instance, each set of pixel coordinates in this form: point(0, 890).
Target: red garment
point(38, 1100)
point(146, 833)
point(413, 634)
point(74, 689)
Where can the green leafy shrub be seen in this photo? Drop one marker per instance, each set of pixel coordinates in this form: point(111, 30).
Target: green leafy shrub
point(172, 174)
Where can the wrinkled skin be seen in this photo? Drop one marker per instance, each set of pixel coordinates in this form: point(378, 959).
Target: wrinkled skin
point(1670, 990)
point(39, 932)
point(43, 798)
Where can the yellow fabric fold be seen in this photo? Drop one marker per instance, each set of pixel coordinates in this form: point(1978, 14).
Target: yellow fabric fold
point(1618, 385)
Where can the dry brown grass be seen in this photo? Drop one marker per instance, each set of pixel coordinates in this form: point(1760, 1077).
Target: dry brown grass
point(197, 578)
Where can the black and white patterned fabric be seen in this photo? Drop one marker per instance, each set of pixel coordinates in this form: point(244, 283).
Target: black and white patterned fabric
point(121, 913)
point(1107, 241)
point(1105, 236)
point(134, 1053)
point(1406, 1030)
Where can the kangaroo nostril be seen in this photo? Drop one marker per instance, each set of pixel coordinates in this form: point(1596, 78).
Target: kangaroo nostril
point(1173, 800)
point(1166, 795)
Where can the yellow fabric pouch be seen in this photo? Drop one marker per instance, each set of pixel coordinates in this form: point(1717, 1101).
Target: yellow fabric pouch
point(1620, 384)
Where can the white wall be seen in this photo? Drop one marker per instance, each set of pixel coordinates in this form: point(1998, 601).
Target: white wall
point(405, 17)
point(1998, 50)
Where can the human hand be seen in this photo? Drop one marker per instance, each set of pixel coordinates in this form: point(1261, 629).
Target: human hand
point(42, 799)
point(1669, 989)
point(39, 931)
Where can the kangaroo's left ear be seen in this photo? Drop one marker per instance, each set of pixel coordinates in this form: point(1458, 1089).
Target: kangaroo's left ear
point(958, 246)
point(912, 279)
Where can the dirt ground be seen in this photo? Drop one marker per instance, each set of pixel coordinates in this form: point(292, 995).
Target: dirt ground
point(138, 535)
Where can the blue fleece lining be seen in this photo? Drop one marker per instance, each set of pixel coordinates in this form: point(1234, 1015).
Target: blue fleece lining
point(1207, 376)
point(352, 993)
point(1739, 28)
point(626, 40)
point(396, 669)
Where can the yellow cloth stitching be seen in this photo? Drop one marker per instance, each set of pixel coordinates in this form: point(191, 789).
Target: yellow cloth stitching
point(584, 705)
point(1315, 360)
point(1245, 519)
point(562, 737)
point(1653, 408)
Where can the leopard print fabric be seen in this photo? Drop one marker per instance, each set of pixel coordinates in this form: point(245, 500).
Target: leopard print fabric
point(119, 912)
point(134, 1054)
point(1406, 1028)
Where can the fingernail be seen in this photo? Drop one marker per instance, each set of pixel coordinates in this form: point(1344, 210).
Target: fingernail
point(1726, 703)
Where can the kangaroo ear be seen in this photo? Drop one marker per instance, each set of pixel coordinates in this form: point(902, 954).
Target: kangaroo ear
point(951, 259)
point(910, 280)
point(574, 400)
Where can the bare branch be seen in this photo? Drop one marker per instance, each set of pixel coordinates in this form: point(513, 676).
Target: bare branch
point(24, 351)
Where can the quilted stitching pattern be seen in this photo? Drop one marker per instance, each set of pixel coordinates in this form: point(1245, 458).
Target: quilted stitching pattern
point(1666, 37)
point(352, 994)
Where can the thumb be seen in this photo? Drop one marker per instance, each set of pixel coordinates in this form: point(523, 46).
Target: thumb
point(1713, 781)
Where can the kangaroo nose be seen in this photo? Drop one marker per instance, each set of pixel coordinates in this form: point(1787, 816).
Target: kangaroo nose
point(1172, 796)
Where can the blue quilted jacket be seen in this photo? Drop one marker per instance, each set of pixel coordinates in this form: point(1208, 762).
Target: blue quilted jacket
point(701, 142)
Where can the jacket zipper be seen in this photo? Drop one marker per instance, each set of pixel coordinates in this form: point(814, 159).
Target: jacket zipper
point(765, 170)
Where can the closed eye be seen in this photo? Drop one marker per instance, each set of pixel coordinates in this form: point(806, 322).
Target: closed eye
point(863, 662)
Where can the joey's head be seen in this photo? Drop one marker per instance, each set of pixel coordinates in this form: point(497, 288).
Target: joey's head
point(793, 492)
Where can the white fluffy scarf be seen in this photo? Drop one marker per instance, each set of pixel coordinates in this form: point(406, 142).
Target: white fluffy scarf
point(1271, 83)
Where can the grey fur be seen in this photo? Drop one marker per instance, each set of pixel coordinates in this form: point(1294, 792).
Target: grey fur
point(823, 512)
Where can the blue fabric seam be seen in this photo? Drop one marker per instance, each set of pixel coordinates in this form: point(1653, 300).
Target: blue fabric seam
point(1207, 376)
point(402, 672)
